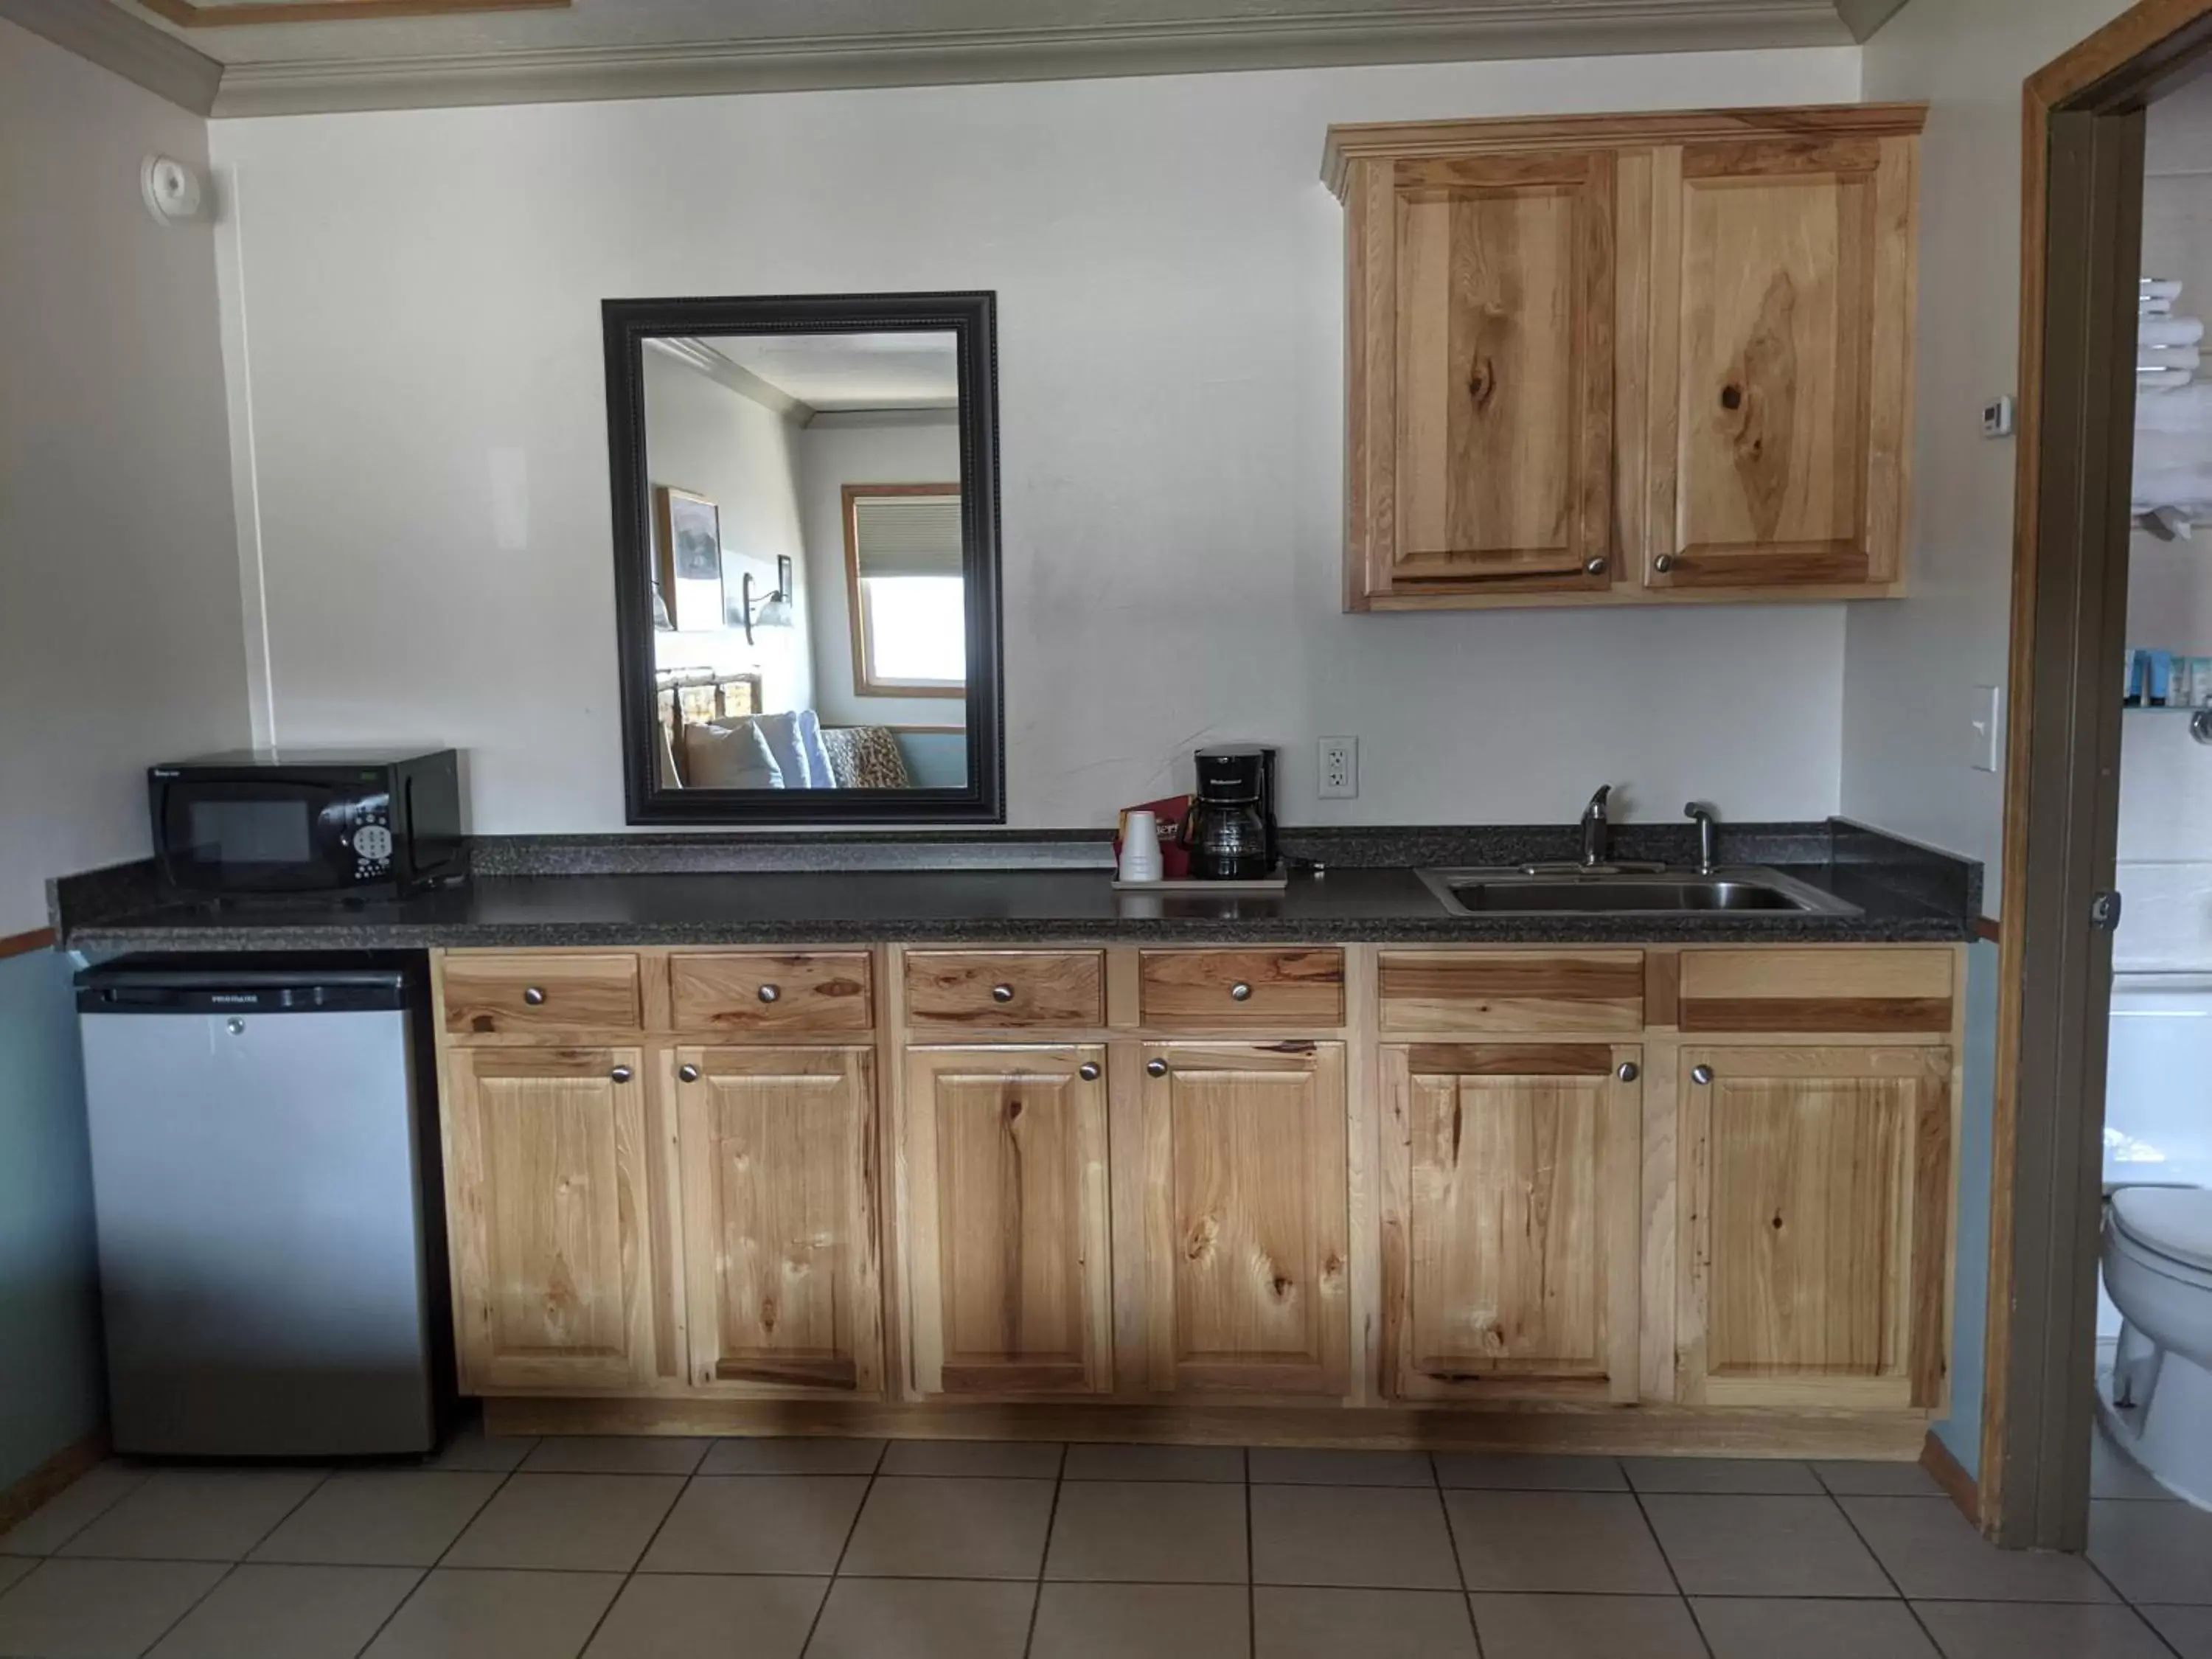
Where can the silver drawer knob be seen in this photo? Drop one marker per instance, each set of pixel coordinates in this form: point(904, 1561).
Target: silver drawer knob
point(533, 996)
point(1663, 563)
point(769, 993)
point(1240, 991)
point(1594, 567)
point(1002, 993)
point(689, 1073)
point(620, 1074)
point(1628, 1072)
point(1701, 1075)
point(1088, 1071)
point(1156, 1068)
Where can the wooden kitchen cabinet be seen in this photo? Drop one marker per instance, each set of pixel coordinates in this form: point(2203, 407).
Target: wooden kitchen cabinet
point(1511, 1195)
point(550, 1208)
point(1815, 1193)
point(1628, 359)
point(1007, 1247)
point(1246, 1252)
point(782, 1264)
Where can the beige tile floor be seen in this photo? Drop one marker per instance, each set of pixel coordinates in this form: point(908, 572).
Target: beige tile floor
point(643, 1549)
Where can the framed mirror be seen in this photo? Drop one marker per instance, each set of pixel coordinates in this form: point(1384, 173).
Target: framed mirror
point(806, 558)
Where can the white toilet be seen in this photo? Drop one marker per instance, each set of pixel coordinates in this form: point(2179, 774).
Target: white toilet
point(2156, 1400)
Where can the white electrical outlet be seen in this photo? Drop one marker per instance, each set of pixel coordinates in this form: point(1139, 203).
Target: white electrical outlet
point(1340, 766)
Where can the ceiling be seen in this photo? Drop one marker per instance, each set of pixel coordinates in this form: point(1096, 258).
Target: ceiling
point(316, 55)
point(847, 372)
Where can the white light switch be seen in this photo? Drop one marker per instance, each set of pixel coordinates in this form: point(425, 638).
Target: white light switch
point(1988, 724)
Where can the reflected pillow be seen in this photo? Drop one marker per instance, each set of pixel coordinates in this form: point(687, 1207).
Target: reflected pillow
point(820, 774)
point(781, 731)
point(730, 755)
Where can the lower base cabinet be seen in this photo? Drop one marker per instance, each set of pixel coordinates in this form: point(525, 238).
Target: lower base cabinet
point(1511, 1183)
point(783, 1271)
point(1247, 1255)
point(1007, 1252)
point(1815, 1187)
point(549, 1183)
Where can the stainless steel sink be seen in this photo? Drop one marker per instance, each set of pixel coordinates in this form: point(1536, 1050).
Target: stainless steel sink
point(1519, 892)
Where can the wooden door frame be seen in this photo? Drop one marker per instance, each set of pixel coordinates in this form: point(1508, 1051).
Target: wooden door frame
point(2081, 201)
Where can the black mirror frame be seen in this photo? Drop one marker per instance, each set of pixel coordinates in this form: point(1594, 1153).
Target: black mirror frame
point(971, 317)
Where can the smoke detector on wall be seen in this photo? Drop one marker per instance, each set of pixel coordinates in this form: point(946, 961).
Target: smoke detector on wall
point(172, 189)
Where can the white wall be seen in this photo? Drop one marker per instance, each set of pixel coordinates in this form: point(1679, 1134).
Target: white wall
point(121, 639)
point(701, 437)
point(420, 297)
point(831, 456)
point(1911, 667)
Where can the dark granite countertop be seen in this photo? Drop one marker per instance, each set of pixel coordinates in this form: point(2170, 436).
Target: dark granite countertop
point(654, 891)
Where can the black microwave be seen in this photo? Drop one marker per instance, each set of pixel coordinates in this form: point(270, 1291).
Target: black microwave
point(367, 823)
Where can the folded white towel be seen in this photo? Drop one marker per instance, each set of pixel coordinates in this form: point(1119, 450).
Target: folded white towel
point(2185, 408)
point(2171, 452)
point(2155, 308)
point(2170, 331)
point(2170, 486)
point(2149, 357)
point(2154, 288)
point(2161, 380)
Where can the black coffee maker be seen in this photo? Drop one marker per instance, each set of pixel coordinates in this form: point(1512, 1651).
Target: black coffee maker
point(1231, 829)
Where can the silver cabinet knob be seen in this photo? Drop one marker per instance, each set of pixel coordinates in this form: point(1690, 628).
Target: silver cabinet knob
point(1701, 1075)
point(1240, 991)
point(1663, 563)
point(235, 1027)
point(769, 993)
point(689, 1073)
point(1088, 1071)
point(532, 995)
point(1595, 566)
point(1156, 1068)
point(1629, 1072)
point(1002, 993)
point(621, 1074)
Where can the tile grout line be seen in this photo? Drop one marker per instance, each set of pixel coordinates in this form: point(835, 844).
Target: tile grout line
point(629, 1577)
point(1044, 1553)
point(414, 1588)
point(230, 1567)
point(830, 1588)
point(1660, 1544)
point(1451, 1542)
point(1912, 1611)
point(2125, 1600)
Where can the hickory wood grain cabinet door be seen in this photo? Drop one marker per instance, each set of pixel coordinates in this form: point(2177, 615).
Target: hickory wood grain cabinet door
point(1815, 1190)
point(1482, 362)
point(550, 1187)
point(1782, 339)
point(1511, 1200)
point(1246, 1278)
point(782, 1273)
point(1007, 1259)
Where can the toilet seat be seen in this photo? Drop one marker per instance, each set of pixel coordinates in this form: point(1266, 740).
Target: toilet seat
point(2167, 1228)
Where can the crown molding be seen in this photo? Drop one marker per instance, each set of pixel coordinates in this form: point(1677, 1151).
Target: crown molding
point(698, 69)
point(1864, 17)
point(216, 15)
point(129, 46)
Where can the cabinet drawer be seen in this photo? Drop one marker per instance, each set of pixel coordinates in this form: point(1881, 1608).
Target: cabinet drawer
point(1512, 990)
point(526, 992)
point(1201, 989)
point(1879, 989)
point(770, 991)
point(1005, 987)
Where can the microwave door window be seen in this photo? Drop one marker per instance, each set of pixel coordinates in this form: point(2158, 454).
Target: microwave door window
point(251, 832)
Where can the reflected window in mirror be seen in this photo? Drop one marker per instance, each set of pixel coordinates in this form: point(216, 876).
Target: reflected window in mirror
point(806, 551)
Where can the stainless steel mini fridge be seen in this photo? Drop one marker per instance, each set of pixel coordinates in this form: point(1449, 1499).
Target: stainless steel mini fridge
point(261, 1168)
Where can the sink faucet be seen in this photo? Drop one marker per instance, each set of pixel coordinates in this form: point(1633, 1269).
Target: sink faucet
point(1702, 814)
point(1595, 827)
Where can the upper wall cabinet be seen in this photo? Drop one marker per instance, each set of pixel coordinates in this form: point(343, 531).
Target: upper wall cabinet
point(1628, 359)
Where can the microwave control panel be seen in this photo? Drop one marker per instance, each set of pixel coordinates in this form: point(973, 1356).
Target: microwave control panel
point(372, 837)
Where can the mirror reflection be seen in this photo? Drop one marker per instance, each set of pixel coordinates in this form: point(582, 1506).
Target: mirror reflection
point(808, 598)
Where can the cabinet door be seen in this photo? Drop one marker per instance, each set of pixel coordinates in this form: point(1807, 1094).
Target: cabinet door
point(1245, 1241)
point(1482, 352)
point(549, 1186)
point(1511, 1194)
point(1815, 1193)
point(1782, 332)
point(1007, 1262)
point(782, 1277)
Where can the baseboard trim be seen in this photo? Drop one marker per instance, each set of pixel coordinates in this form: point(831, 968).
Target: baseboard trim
point(59, 1471)
point(1950, 1473)
point(1637, 1431)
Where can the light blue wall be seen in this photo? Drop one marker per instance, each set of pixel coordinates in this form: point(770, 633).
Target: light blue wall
point(1961, 1431)
point(49, 1355)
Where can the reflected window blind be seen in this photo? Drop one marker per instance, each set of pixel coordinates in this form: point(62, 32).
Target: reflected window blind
point(907, 535)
